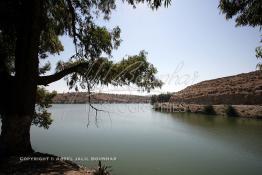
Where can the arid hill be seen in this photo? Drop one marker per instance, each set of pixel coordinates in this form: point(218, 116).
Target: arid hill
point(240, 89)
point(83, 97)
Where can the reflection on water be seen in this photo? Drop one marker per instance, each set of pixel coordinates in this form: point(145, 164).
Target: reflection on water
point(152, 143)
point(238, 132)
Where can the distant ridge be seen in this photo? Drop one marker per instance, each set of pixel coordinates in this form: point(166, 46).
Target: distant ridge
point(245, 88)
point(82, 97)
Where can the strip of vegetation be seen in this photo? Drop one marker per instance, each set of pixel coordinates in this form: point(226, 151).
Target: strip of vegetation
point(160, 98)
point(231, 111)
point(209, 110)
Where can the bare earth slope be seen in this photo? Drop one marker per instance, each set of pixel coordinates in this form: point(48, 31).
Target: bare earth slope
point(240, 89)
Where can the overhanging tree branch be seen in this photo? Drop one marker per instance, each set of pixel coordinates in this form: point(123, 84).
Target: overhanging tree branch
point(45, 80)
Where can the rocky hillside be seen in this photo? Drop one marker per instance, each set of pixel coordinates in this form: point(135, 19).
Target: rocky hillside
point(244, 88)
point(82, 97)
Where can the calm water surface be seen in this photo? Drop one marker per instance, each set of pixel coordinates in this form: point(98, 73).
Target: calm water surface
point(147, 142)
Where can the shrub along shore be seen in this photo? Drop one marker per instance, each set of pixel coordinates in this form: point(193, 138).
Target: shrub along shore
point(246, 111)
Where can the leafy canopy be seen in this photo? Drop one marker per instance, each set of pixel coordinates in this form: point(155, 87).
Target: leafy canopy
point(246, 13)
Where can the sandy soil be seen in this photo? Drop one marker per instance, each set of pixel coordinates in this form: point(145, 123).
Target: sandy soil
point(14, 166)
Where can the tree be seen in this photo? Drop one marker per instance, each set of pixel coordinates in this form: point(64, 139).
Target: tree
point(259, 56)
point(160, 98)
point(42, 118)
point(246, 13)
point(29, 33)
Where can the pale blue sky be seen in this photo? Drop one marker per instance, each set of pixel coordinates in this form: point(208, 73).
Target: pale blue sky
point(188, 42)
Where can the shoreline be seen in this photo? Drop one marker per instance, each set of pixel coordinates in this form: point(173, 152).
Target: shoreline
point(103, 103)
point(243, 111)
point(50, 165)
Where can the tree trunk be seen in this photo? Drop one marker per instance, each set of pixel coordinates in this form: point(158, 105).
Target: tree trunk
point(16, 123)
point(15, 136)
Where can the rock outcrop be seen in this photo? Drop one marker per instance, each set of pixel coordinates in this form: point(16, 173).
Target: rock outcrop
point(242, 89)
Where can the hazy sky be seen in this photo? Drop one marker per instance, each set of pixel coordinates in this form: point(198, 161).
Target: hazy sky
point(188, 42)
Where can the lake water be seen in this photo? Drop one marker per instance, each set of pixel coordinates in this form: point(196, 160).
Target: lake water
point(147, 142)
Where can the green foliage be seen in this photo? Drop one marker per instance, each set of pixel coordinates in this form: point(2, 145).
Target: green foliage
point(259, 56)
point(209, 110)
point(92, 41)
point(132, 70)
point(74, 18)
point(259, 52)
point(46, 67)
point(259, 66)
point(77, 20)
point(102, 169)
point(188, 109)
point(160, 98)
point(42, 118)
point(231, 111)
point(245, 13)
